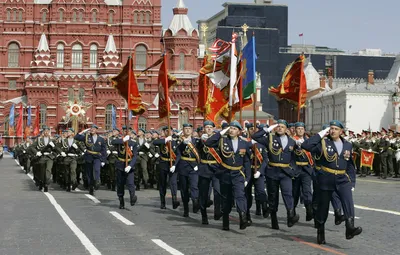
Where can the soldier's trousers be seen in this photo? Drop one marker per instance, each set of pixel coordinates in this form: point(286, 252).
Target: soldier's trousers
point(259, 191)
point(141, 171)
point(204, 186)
point(164, 175)
point(127, 179)
point(93, 171)
point(365, 170)
point(190, 181)
point(303, 181)
point(111, 173)
point(346, 198)
point(285, 184)
point(46, 165)
point(386, 163)
point(70, 170)
point(232, 188)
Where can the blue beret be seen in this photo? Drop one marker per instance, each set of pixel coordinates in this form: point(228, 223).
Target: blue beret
point(141, 129)
point(325, 126)
point(124, 127)
point(235, 124)
point(65, 130)
point(284, 122)
point(187, 125)
point(56, 136)
point(336, 123)
point(224, 125)
point(175, 130)
point(94, 126)
point(156, 132)
point(71, 129)
point(209, 123)
point(291, 125)
point(249, 125)
point(147, 132)
point(45, 127)
point(299, 124)
point(116, 129)
point(165, 128)
point(132, 131)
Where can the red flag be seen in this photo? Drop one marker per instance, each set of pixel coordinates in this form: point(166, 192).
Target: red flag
point(301, 34)
point(125, 83)
point(120, 118)
point(27, 132)
point(203, 89)
point(163, 91)
point(37, 121)
point(20, 120)
point(293, 85)
point(367, 158)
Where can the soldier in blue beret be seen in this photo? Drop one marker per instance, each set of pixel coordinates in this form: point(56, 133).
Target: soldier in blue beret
point(280, 170)
point(292, 127)
point(235, 170)
point(337, 173)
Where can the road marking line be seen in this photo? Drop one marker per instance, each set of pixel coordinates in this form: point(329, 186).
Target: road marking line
point(317, 246)
point(376, 210)
point(95, 200)
point(375, 181)
point(122, 218)
point(166, 247)
point(16, 161)
point(82, 237)
point(355, 217)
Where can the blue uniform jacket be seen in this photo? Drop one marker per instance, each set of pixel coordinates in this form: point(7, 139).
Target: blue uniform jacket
point(278, 156)
point(120, 145)
point(206, 170)
point(326, 153)
point(264, 153)
point(94, 151)
point(183, 151)
point(164, 152)
point(300, 156)
point(239, 159)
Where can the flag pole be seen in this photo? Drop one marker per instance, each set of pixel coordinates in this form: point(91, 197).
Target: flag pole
point(240, 93)
point(127, 106)
point(300, 92)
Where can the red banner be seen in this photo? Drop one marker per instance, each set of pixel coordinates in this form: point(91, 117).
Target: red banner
point(163, 91)
point(203, 89)
point(367, 158)
point(36, 128)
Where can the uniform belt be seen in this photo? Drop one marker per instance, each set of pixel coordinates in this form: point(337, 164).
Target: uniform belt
point(203, 161)
point(72, 155)
point(93, 152)
point(258, 166)
point(188, 159)
point(46, 153)
point(333, 171)
point(301, 163)
point(166, 159)
point(233, 168)
point(123, 160)
point(115, 152)
point(278, 164)
point(317, 168)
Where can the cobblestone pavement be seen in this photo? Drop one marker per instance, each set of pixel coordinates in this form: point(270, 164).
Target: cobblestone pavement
point(74, 223)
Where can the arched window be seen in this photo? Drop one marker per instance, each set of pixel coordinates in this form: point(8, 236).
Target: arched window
point(141, 57)
point(135, 17)
point(61, 15)
point(44, 16)
point(13, 55)
point(147, 17)
point(111, 17)
point(8, 15)
point(93, 56)
point(109, 121)
point(81, 94)
point(94, 16)
point(141, 17)
point(181, 61)
point(142, 123)
point(70, 94)
point(184, 116)
point(74, 15)
point(80, 15)
point(60, 55)
point(20, 16)
point(77, 56)
point(43, 111)
point(14, 15)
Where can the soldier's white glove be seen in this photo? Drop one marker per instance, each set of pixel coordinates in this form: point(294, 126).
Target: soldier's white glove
point(168, 138)
point(83, 153)
point(270, 129)
point(128, 169)
point(352, 189)
point(150, 155)
point(253, 141)
point(126, 138)
point(84, 131)
point(257, 175)
point(75, 146)
point(323, 132)
point(392, 141)
point(51, 144)
point(39, 154)
point(108, 152)
point(157, 155)
point(204, 137)
point(369, 150)
point(299, 142)
point(223, 132)
point(195, 168)
point(245, 184)
point(141, 153)
point(24, 151)
point(172, 169)
point(63, 154)
point(187, 141)
point(103, 164)
point(147, 145)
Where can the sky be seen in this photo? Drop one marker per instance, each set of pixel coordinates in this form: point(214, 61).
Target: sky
point(349, 25)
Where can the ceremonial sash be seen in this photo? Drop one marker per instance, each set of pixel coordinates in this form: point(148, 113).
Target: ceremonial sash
point(171, 151)
point(257, 153)
point(193, 149)
point(216, 156)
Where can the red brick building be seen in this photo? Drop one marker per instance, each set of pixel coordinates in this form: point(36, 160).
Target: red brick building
point(60, 52)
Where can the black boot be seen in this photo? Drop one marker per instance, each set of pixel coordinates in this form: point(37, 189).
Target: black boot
point(243, 220)
point(175, 202)
point(292, 218)
point(225, 222)
point(162, 206)
point(274, 221)
point(74, 186)
point(339, 217)
point(258, 207)
point(121, 203)
point(68, 188)
point(112, 187)
point(321, 234)
point(185, 210)
point(249, 221)
point(196, 206)
point(91, 190)
point(352, 231)
point(209, 203)
point(217, 208)
point(133, 199)
point(309, 213)
point(265, 210)
point(45, 189)
point(204, 218)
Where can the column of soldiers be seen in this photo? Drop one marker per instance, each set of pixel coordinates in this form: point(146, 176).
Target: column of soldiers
point(231, 164)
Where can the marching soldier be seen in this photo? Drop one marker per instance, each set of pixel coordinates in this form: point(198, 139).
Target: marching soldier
point(187, 162)
point(367, 145)
point(208, 168)
point(142, 174)
point(95, 156)
point(112, 157)
point(236, 171)
point(280, 170)
point(385, 155)
point(26, 160)
point(337, 174)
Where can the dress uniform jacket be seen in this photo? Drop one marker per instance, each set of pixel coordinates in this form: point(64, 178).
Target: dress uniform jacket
point(187, 157)
point(93, 150)
point(208, 164)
